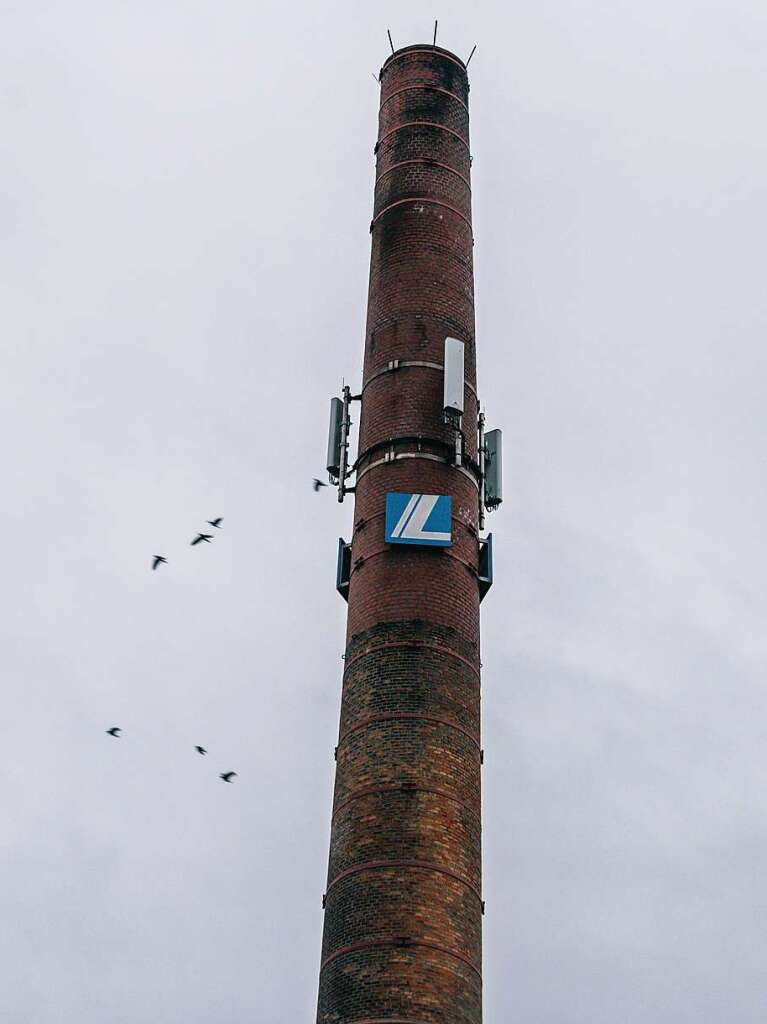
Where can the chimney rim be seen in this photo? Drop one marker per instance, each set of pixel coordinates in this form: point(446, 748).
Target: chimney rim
point(426, 47)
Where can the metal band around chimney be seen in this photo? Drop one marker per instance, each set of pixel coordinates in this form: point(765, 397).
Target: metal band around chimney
point(398, 943)
point(422, 124)
point(414, 455)
point(433, 51)
point(407, 716)
point(426, 162)
point(399, 787)
point(415, 865)
point(446, 553)
point(429, 88)
point(420, 199)
point(388, 1020)
point(404, 363)
point(438, 648)
point(389, 445)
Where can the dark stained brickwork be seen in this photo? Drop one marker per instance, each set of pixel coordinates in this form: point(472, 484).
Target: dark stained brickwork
point(403, 907)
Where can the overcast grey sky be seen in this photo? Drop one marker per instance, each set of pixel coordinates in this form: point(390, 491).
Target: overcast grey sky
point(185, 193)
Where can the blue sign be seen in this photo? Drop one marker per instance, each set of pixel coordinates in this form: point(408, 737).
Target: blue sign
point(419, 519)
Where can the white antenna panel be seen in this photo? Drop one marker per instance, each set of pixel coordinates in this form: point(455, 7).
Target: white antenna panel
point(454, 376)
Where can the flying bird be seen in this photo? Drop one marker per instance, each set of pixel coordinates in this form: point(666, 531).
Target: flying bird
point(114, 731)
point(317, 484)
point(215, 522)
point(158, 560)
point(227, 776)
point(207, 537)
point(201, 750)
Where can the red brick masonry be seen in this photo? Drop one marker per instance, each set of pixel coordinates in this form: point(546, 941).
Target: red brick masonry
point(403, 907)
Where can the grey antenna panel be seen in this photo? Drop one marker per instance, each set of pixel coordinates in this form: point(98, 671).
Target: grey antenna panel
point(333, 464)
point(493, 469)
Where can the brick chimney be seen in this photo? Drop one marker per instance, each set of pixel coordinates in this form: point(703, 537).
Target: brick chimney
point(403, 906)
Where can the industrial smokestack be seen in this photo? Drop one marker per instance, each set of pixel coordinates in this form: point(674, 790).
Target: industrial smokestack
point(403, 905)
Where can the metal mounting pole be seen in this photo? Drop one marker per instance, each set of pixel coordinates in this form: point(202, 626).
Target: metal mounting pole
point(344, 460)
point(481, 453)
point(458, 446)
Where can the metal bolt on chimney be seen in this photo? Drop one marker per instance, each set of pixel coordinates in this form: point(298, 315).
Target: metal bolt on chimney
point(403, 904)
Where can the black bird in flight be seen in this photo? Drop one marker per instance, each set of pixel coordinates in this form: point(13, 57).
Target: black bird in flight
point(114, 731)
point(227, 776)
point(317, 484)
point(207, 537)
point(158, 560)
point(215, 522)
point(201, 750)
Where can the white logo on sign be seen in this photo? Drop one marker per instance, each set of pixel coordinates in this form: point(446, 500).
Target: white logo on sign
point(410, 525)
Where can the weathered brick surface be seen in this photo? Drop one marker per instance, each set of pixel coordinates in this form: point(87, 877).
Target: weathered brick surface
point(403, 983)
point(430, 905)
point(402, 938)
